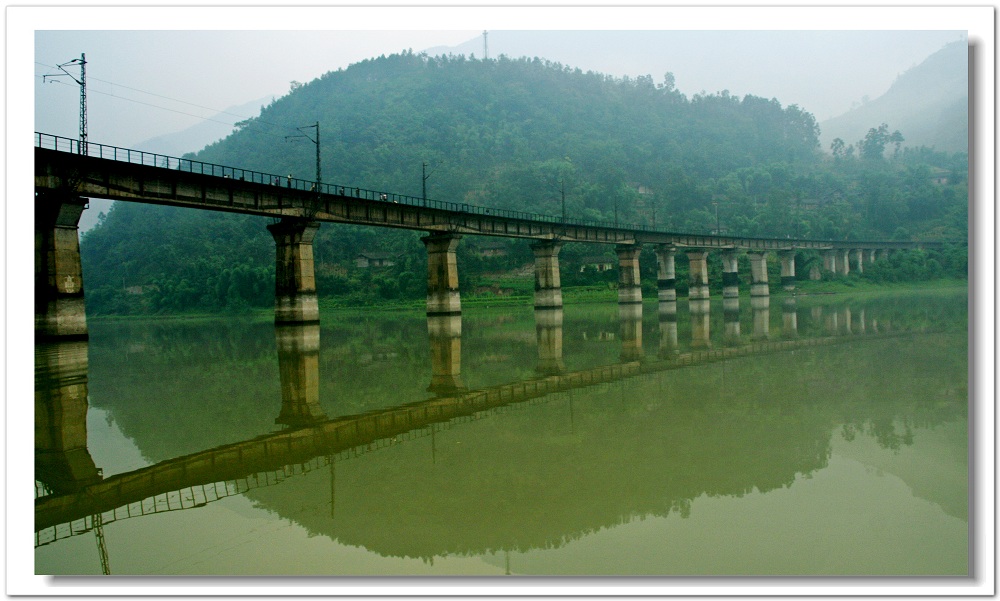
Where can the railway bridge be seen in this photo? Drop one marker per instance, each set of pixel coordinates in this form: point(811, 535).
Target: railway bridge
point(65, 178)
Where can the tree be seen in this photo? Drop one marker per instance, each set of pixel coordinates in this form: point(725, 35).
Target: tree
point(837, 148)
point(873, 146)
point(897, 139)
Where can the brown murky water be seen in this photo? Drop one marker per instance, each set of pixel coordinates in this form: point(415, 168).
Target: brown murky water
point(821, 437)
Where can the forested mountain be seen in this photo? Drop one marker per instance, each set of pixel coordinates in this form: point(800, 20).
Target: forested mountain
point(494, 130)
point(929, 104)
point(517, 134)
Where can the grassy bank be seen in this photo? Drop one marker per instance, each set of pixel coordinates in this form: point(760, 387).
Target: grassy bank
point(842, 287)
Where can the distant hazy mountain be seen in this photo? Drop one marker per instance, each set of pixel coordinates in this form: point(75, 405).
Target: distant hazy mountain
point(182, 142)
point(928, 104)
point(205, 132)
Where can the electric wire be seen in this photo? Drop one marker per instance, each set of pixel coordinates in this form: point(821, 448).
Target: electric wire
point(154, 105)
point(217, 111)
point(207, 108)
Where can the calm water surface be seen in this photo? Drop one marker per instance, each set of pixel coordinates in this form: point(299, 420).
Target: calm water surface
point(821, 437)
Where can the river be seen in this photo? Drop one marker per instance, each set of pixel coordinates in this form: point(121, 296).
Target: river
point(823, 435)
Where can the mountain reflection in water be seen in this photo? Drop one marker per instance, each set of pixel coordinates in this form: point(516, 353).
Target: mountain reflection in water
point(559, 424)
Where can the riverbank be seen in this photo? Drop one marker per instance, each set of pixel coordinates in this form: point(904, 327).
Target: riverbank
point(576, 295)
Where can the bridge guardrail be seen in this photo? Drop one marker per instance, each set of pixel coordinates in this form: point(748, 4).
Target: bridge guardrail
point(139, 157)
point(152, 159)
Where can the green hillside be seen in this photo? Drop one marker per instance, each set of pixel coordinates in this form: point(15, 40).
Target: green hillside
point(517, 134)
point(929, 105)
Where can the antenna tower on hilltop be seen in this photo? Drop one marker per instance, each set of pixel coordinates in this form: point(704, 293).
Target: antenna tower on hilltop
point(486, 45)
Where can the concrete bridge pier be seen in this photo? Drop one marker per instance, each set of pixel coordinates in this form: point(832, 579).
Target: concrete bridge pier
point(549, 334)
point(629, 290)
point(295, 272)
point(59, 303)
point(62, 461)
point(442, 274)
point(445, 335)
point(730, 277)
point(666, 277)
point(758, 274)
point(788, 270)
point(870, 256)
point(630, 318)
point(548, 287)
point(667, 313)
point(697, 275)
point(731, 320)
point(843, 262)
point(298, 370)
point(882, 254)
point(857, 258)
point(830, 260)
point(700, 331)
point(761, 307)
point(789, 318)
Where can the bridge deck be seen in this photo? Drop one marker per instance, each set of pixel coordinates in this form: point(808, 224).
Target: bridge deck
point(134, 176)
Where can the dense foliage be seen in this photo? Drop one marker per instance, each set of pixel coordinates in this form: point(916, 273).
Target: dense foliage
point(521, 134)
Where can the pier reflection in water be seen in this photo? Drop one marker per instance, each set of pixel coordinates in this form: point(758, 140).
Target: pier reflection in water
point(62, 462)
point(549, 330)
point(667, 314)
point(514, 473)
point(445, 334)
point(298, 365)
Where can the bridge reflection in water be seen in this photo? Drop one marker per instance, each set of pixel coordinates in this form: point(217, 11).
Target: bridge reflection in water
point(74, 498)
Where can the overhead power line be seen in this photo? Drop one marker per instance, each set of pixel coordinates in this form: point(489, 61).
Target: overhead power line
point(154, 105)
point(207, 108)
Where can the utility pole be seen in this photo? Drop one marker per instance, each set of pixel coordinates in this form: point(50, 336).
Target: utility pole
point(562, 185)
point(102, 548)
point(424, 176)
point(319, 174)
point(82, 82)
point(798, 215)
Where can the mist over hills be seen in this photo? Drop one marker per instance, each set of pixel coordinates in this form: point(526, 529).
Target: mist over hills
point(210, 129)
point(518, 134)
point(823, 72)
point(928, 104)
point(499, 131)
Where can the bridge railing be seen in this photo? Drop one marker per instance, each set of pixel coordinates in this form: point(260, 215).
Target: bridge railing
point(152, 159)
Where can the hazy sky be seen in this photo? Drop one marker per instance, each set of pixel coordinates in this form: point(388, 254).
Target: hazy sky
point(144, 83)
point(821, 71)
